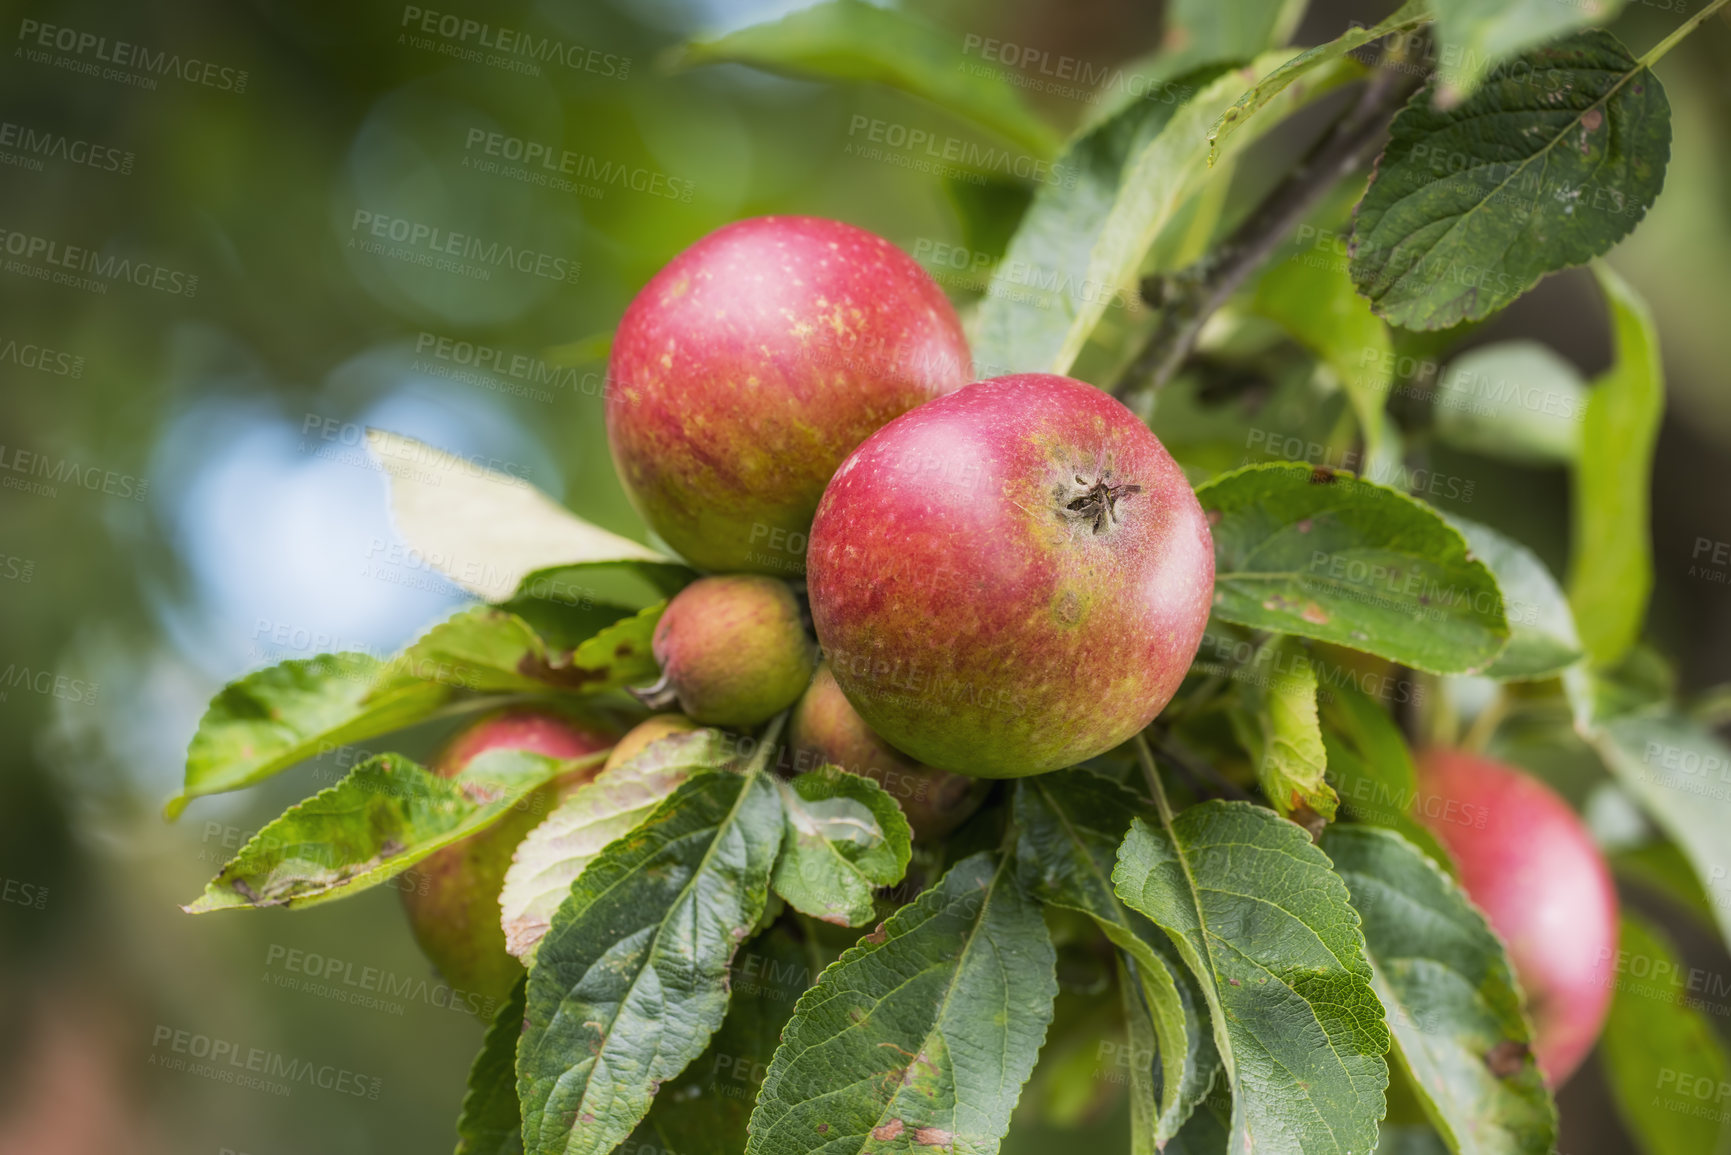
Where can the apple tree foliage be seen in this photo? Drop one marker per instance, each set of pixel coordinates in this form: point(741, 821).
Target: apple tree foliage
point(1280, 959)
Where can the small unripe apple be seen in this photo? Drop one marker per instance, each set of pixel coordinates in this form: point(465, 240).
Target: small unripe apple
point(826, 729)
point(1527, 861)
point(645, 732)
point(752, 364)
point(733, 650)
point(452, 897)
point(1010, 579)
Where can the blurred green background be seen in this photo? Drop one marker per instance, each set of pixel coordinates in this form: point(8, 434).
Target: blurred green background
point(186, 496)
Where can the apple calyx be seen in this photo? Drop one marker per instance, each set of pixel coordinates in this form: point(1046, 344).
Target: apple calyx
point(1099, 500)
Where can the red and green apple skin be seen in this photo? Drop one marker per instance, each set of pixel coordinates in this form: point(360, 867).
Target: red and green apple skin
point(825, 730)
point(652, 729)
point(452, 895)
point(734, 649)
point(752, 364)
point(1529, 864)
point(1010, 579)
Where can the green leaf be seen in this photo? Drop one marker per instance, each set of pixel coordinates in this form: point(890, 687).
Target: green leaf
point(1372, 767)
point(386, 814)
point(1410, 15)
point(988, 211)
point(1315, 302)
point(1516, 400)
point(1663, 869)
point(1291, 762)
point(851, 40)
point(555, 630)
point(1677, 770)
point(705, 1110)
point(844, 837)
point(1641, 682)
point(287, 713)
point(1040, 284)
point(1663, 1060)
point(1078, 250)
point(602, 810)
point(491, 1123)
point(1230, 29)
point(489, 649)
point(481, 649)
point(1452, 1002)
point(1071, 823)
point(1199, 34)
point(1194, 228)
point(921, 1037)
point(1542, 637)
point(1142, 1041)
point(1325, 555)
point(1207, 1132)
point(1368, 758)
point(485, 530)
point(1475, 35)
point(603, 585)
point(590, 350)
point(1548, 165)
point(1265, 926)
point(1611, 569)
point(617, 656)
point(631, 980)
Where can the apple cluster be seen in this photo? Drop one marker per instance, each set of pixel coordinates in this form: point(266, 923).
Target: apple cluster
point(1004, 577)
point(939, 582)
point(742, 375)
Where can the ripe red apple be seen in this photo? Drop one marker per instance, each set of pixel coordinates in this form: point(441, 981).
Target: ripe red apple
point(733, 650)
point(1530, 865)
point(826, 730)
point(752, 364)
point(1011, 578)
point(452, 895)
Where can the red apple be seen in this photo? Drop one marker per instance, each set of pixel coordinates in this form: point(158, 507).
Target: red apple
point(733, 650)
point(826, 730)
point(1010, 579)
point(452, 895)
point(752, 364)
point(1527, 861)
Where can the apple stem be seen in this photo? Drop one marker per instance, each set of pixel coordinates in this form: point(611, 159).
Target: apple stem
point(657, 695)
point(1145, 755)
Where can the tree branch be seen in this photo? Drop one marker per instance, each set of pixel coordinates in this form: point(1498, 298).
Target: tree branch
point(1189, 297)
